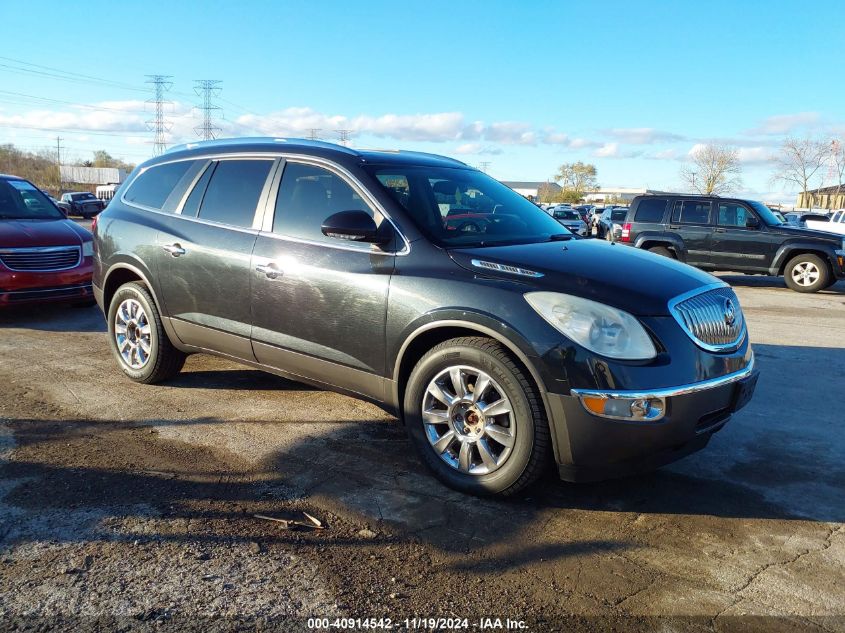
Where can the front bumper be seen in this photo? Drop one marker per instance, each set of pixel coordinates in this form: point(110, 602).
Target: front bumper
point(77, 292)
point(592, 448)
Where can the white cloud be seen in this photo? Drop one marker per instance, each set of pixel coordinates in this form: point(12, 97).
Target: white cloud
point(477, 148)
point(581, 143)
point(755, 155)
point(613, 150)
point(664, 154)
point(786, 123)
point(643, 135)
point(511, 133)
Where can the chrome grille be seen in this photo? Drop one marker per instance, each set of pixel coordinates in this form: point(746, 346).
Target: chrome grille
point(712, 318)
point(43, 259)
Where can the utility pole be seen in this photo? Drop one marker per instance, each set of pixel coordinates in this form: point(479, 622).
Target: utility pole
point(207, 89)
point(313, 133)
point(484, 165)
point(344, 136)
point(59, 164)
point(158, 125)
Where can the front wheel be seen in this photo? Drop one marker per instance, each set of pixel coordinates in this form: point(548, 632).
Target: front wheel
point(807, 273)
point(137, 337)
point(475, 418)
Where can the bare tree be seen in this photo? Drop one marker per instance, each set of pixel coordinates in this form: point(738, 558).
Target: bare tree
point(837, 160)
point(715, 170)
point(798, 161)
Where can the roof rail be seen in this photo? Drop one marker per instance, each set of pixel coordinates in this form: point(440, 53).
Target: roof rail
point(260, 140)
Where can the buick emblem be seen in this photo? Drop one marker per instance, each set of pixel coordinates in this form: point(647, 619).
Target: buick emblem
point(730, 313)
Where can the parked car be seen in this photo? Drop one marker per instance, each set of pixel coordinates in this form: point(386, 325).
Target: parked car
point(732, 234)
point(83, 203)
point(43, 255)
point(499, 349)
point(571, 219)
point(834, 224)
point(609, 224)
point(64, 207)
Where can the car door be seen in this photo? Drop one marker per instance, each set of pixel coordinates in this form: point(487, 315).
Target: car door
point(204, 252)
point(320, 303)
point(691, 221)
point(738, 246)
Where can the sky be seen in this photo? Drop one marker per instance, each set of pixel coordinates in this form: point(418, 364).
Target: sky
point(632, 87)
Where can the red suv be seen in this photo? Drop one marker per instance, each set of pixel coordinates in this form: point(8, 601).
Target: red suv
point(43, 255)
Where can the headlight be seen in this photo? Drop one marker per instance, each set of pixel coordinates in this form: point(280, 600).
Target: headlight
point(88, 249)
point(598, 327)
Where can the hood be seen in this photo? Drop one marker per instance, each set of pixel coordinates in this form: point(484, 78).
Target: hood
point(32, 233)
point(627, 278)
point(798, 231)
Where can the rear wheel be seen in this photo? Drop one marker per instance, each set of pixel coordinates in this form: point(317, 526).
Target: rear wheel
point(475, 418)
point(661, 250)
point(807, 273)
point(138, 339)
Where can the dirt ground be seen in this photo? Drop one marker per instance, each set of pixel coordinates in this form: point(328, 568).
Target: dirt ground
point(130, 507)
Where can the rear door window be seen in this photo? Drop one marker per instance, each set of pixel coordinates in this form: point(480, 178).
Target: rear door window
point(732, 214)
point(691, 212)
point(650, 210)
point(234, 190)
point(161, 187)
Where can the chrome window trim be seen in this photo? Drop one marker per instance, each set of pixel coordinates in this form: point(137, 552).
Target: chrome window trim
point(274, 180)
point(726, 347)
point(42, 249)
point(669, 392)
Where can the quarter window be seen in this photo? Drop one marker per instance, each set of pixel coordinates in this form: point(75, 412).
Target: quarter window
point(234, 190)
point(310, 194)
point(650, 210)
point(161, 186)
point(733, 215)
point(691, 212)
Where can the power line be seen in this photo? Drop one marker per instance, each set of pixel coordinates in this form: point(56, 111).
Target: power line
point(343, 136)
point(484, 165)
point(313, 133)
point(208, 89)
point(158, 125)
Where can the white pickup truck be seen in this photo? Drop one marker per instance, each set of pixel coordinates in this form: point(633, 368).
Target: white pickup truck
point(836, 224)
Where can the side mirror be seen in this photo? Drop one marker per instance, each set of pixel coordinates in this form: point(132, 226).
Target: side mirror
point(751, 222)
point(355, 226)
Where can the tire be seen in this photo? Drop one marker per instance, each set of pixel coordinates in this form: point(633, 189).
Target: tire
point(522, 424)
point(662, 251)
point(163, 361)
point(807, 273)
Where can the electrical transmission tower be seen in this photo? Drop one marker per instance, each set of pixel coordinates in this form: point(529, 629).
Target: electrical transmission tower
point(158, 125)
point(343, 136)
point(208, 89)
point(484, 165)
point(314, 134)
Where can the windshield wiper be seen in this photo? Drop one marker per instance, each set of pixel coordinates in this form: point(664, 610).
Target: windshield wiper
point(560, 237)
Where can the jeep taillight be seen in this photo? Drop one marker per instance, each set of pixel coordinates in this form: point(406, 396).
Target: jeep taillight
point(626, 232)
point(94, 225)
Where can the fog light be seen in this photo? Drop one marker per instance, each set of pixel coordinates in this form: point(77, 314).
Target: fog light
point(635, 409)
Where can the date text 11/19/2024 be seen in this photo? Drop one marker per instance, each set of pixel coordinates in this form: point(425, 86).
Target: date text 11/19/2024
point(418, 624)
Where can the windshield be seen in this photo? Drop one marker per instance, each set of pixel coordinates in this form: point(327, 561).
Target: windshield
point(566, 215)
point(20, 200)
point(463, 207)
point(82, 196)
point(765, 213)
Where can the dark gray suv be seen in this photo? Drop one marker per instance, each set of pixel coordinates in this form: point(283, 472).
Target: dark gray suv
point(500, 347)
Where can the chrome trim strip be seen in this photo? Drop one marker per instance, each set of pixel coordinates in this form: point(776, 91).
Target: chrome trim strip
point(669, 392)
point(505, 268)
point(726, 347)
point(41, 250)
point(33, 291)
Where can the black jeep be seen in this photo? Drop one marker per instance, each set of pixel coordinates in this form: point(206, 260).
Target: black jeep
point(716, 233)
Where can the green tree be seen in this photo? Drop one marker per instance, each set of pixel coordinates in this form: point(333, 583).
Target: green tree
point(577, 179)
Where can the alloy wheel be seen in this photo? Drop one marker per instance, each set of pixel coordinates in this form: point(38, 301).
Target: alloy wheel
point(469, 421)
point(132, 333)
point(805, 273)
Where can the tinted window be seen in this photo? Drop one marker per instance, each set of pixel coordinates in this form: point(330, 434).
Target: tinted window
point(650, 210)
point(691, 212)
point(233, 192)
point(732, 214)
point(19, 199)
point(308, 195)
point(153, 187)
point(192, 204)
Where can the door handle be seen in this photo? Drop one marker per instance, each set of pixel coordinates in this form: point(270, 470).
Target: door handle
point(270, 270)
point(674, 227)
point(720, 231)
point(174, 249)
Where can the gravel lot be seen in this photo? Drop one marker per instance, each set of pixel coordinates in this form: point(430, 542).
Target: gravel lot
point(129, 506)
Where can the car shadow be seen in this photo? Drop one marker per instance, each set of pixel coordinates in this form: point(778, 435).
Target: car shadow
point(237, 379)
point(53, 317)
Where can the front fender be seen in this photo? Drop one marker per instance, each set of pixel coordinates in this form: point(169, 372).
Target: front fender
point(786, 251)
